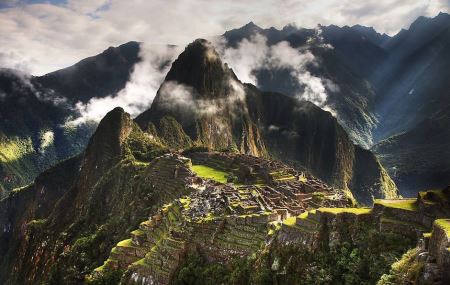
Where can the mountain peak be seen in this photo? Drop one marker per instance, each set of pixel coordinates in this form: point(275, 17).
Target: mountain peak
point(199, 66)
point(106, 143)
point(250, 25)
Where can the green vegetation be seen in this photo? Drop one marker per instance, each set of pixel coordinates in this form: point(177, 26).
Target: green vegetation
point(443, 224)
point(126, 243)
point(360, 259)
point(14, 149)
point(142, 147)
point(17, 164)
point(405, 271)
point(207, 172)
point(194, 149)
point(404, 204)
point(173, 134)
point(108, 277)
point(197, 270)
point(290, 221)
point(37, 224)
point(356, 211)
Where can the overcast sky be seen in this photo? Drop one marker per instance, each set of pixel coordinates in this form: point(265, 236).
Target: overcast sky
point(41, 36)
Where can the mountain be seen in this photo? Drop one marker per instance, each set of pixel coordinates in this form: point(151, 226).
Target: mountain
point(214, 109)
point(34, 111)
point(206, 99)
point(33, 130)
point(389, 88)
point(413, 105)
point(218, 181)
point(67, 204)
point(97, 76)
point(412, 82)
point(418, 159)
point(61, 227)
point(346, 64)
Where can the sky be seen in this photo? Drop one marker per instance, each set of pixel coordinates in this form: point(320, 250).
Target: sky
point(42, 36)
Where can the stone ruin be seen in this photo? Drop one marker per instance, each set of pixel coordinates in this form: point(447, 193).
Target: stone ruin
point(266, 186)
point(224, 221)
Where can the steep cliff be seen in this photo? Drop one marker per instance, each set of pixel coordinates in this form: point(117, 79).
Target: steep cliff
point(204, 96)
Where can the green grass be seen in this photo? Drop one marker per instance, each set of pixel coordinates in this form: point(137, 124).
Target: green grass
point(290, 221)
point(207, 172)
point(303, 215)
point(356, 211)
point(102, 268)
point(141, 262)
point(137, 232)
point(443, 224)
point(126, 243)
point(405, 204)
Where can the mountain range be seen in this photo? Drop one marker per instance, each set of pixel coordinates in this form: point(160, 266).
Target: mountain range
point(375, 73)
point(223, 180)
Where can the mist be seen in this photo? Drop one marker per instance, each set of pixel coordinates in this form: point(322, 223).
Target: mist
point(139, 91)
point(254, 54)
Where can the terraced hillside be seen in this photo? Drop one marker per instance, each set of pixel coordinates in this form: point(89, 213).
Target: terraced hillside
point(280, 225)
point(223, 221)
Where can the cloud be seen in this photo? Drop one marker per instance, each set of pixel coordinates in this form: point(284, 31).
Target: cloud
point(139, 91)
point(255, 54)
point(183, 100)
point(42, 37)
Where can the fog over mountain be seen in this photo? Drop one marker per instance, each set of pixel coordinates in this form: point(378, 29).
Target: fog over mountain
point(224, 142)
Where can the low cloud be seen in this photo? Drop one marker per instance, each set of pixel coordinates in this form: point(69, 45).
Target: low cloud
point(254, 54)
point(183, 100)
point(140, 90)
point(23, 86)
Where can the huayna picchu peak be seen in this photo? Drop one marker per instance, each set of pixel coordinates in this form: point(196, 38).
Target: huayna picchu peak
point(261, 156)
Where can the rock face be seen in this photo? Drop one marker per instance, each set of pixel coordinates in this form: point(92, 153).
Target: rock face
point(204, 96)
point(215, 110)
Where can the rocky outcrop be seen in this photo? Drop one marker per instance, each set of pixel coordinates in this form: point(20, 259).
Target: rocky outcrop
point(204, 96)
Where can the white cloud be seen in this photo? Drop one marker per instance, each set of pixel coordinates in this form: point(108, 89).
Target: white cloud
point(139, 91)
point(252, 55)
point(183, 99)
point(43, 37)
